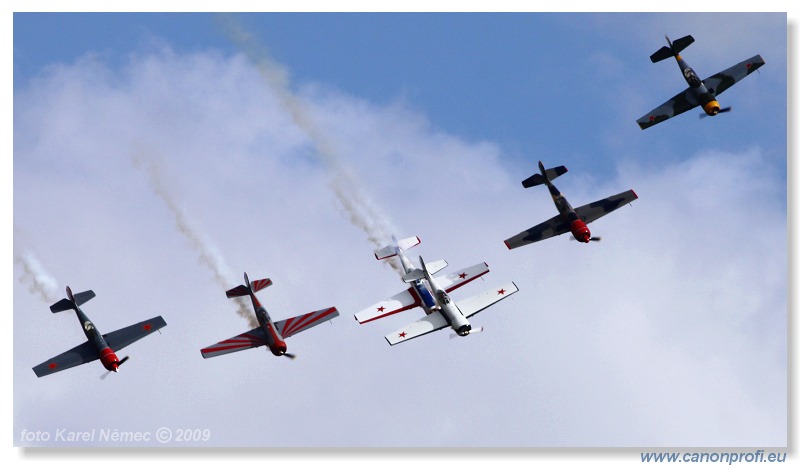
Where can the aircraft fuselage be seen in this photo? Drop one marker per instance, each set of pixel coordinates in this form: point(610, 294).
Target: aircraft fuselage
point(704, 96)
point(275, 341)
point(107, 356)
point(577, 226)
point(419, 287)
point(448, 308)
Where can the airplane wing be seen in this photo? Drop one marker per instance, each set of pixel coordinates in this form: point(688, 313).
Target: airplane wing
point(402, 301)
point(462, 277)
point(591, 212)
point(552, 227)
point(83, 353)
point(678, 104)
point(121, 338)
point(291, 326)
point(723, 80)
point(475, 304)
point(252, 338)
point(426, 325)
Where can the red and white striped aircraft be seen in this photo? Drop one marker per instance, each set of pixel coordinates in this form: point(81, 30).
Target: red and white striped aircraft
point(268, 333)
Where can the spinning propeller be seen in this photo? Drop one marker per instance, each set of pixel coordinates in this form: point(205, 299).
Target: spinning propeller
point(725, 109)
point(105, 375)
point(472, 331)
point(593, 238)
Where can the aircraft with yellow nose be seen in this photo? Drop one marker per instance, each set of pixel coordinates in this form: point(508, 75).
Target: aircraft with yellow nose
point(700, 92)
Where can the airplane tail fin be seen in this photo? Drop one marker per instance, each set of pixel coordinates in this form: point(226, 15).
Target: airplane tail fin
point(397, 247)
point(675, 47)
point(544, 175)
point(72, 301)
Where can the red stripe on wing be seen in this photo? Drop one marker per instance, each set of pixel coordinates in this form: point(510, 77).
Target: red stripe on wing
point(291, 326)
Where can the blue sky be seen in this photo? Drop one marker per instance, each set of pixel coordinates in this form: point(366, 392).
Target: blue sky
point(412, 124)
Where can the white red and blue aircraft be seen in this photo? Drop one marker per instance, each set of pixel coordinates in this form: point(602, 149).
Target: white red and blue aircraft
point(268, 333)
point(431, 294)
point(97, 345)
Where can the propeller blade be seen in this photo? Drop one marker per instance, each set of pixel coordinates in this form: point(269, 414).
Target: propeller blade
point(725, 109)
point(290, 356)
point(105, 375)
point(123, 360)
point(473, 331)
point(595, 238)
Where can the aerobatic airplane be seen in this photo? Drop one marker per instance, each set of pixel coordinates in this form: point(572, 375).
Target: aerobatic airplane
point(432, 295)
point(568, 219)
point(700, 92)
point(97, 345)
point(268, 333)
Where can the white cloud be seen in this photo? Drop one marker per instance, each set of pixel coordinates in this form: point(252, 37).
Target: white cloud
point(669, 332)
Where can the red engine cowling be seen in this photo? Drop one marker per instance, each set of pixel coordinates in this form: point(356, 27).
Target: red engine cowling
point(580, 231)
point(109, 359)
point(278, 349)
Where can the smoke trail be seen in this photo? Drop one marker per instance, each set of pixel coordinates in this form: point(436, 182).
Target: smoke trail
point(361, 212)
point(209, 254)
point(39, 282)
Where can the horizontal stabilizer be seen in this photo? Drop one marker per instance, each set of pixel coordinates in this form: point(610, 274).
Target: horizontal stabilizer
point(682, 43)
point(661, 54)
point(260, 284)
point(538, 179)
point(412, 275)
point(241, 290)
point(61, 305)
point(66, 304)
point(83, 297)
point(402, 245)
point(435, 266)
point(676, 46)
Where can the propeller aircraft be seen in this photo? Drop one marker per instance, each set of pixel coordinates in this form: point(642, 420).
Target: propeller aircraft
point(568, 219)
point(268, 333)
point(97, 345)
point(700, 92)
point(431, 293)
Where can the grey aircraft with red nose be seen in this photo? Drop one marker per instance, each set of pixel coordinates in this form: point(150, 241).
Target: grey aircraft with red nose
point(97, 345)
point(268, 333)
point(568, 219)
point(700, 92)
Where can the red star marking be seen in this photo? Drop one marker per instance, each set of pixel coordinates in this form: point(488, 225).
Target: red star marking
point(381, 308)
point(52, 366)
point(652, 118)
point(501, 291)
point(402, 334)
point(748, 66)
point(147, 326)
point(462, 275)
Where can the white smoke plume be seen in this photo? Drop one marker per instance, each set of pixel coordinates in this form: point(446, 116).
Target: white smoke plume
point(39, 282)
point(209, 254)
point(361, 212)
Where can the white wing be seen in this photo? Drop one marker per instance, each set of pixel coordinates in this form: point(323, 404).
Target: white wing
point(426, 325)
point(402, 301)
point(475, 304)
point(461, 277)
